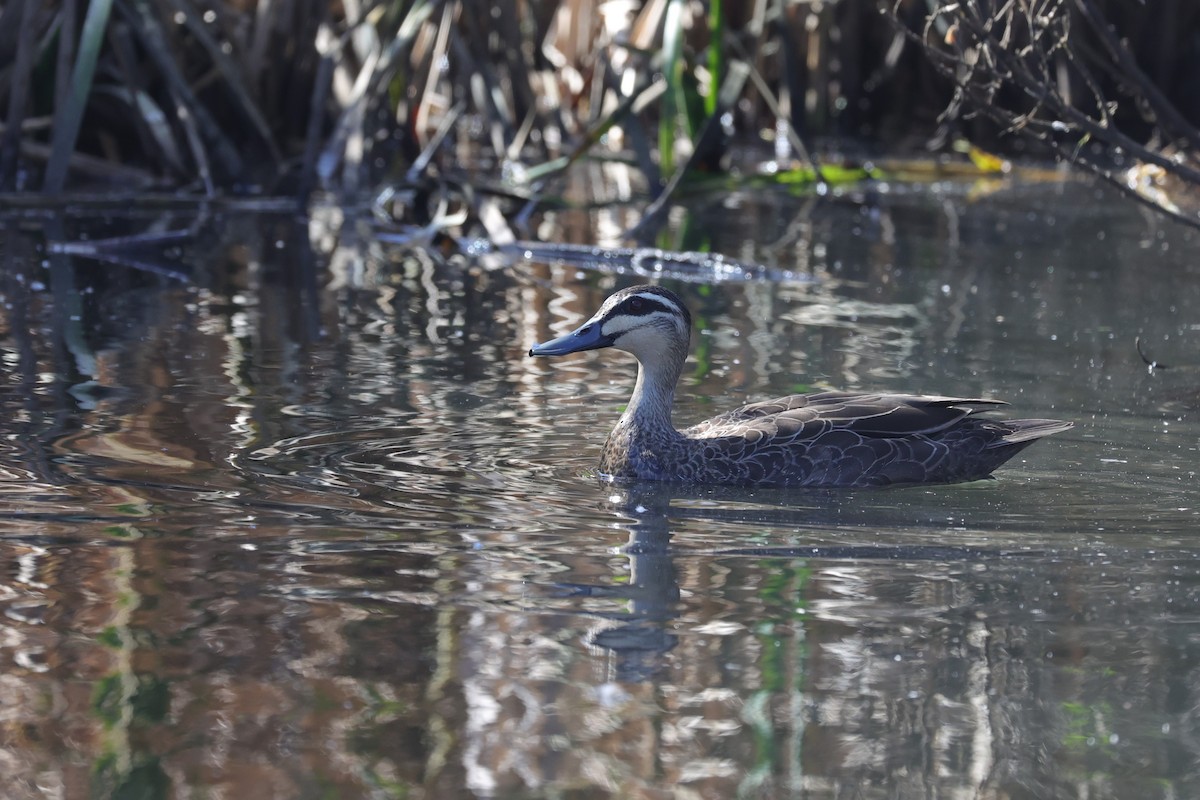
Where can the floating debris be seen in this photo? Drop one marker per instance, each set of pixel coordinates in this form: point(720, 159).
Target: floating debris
point(651, 262)
point(1151, 363)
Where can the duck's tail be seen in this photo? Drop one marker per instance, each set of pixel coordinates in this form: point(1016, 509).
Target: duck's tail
point(1023, 431)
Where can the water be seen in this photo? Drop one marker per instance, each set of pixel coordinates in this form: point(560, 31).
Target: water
point(312, 524)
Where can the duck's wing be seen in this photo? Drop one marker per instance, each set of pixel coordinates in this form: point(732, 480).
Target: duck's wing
point(847, 439)
point(804, 416)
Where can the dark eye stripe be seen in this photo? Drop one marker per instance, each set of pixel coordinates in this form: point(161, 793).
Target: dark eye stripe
point(642, 306)
point(642, 301)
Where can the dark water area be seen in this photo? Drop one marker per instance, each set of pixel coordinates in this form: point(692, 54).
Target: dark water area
point(309, 523)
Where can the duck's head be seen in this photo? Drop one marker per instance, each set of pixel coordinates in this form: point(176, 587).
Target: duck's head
point(647, 321)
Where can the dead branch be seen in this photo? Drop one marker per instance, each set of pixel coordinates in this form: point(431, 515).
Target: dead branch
point(1056, 72)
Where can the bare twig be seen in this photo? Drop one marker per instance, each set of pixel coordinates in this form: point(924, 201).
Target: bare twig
point(1013, 63)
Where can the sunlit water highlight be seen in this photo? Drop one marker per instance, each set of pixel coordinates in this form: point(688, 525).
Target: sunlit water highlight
point(277, 543)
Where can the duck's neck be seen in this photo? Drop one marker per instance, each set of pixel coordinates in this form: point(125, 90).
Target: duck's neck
point(649, 409)
point(645, 444)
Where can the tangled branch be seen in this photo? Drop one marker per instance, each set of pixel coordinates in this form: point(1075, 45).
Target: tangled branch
point(1056, 72)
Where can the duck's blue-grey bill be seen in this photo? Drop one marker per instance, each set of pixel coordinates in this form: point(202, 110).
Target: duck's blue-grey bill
point(586, 338)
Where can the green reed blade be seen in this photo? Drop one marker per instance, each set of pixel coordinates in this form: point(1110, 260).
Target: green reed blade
point(673, 100)
point(716, 54)
point(70, 115)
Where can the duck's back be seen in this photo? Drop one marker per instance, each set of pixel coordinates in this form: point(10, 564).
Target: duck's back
point(849, 439)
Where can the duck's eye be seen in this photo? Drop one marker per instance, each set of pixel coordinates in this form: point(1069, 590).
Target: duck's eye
point(636, 303)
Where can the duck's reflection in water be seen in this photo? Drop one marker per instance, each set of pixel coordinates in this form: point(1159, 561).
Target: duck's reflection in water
point(649, 511)
point(642, 633)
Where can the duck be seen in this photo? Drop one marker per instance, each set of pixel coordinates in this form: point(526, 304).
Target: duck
point(826, 439)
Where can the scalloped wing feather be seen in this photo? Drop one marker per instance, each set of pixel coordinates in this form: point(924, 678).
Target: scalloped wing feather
point(850, 439)
point(801, 417)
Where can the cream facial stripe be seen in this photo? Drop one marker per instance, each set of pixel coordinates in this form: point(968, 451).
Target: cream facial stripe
point(624, 323)
point(654, 297)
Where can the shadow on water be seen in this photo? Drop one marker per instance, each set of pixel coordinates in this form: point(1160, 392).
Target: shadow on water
point(311, 521)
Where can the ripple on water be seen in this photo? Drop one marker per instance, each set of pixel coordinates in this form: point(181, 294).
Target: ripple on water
point(490, 471)
point(378, 553)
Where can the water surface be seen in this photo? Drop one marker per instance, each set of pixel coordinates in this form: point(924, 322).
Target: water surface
point(310, 523)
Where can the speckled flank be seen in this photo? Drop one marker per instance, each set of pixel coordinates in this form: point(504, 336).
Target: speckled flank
point(824, 439)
